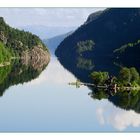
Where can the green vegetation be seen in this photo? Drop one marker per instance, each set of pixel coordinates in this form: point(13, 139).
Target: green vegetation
point(99, 77)
point(83, 46)
point(4, 53)
point(134, 75)
point(4, 71)
point(124, 99)
point(84, 63)
point(14, 42)
point(99, 94)
point(126, 76)
point(126, 46)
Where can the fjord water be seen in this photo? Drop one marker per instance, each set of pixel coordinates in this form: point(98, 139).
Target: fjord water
point(44, 102)
point(49, 104)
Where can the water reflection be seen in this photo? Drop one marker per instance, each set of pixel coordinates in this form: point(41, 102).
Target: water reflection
point(49, 104)
point(128, 100)
point(124, 99)
point(19, 72)
point(55, 74)
point(118, 118)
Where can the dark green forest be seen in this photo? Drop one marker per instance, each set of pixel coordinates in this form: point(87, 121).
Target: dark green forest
point(126, 76)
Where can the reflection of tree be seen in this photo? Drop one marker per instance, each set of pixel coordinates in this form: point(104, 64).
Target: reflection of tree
point(125, 99)
point(80, 63)
point(99, 94)
point(84, 63)
point(4, 71)
point(17, 73)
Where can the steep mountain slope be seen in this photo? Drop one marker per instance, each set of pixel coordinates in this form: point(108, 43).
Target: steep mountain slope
point(108, 30)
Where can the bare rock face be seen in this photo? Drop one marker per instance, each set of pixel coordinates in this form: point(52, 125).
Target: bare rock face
point(37, 57)
point(2, 37)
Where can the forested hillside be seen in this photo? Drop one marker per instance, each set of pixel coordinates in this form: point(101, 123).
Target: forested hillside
point(14, 42)
point(115, 33)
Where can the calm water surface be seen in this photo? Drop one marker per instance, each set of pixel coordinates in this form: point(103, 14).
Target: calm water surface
point(49, 104)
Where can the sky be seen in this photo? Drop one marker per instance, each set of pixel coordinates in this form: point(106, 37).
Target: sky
point(18, 17)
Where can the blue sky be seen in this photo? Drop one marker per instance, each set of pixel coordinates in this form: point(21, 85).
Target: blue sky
point(46, 16)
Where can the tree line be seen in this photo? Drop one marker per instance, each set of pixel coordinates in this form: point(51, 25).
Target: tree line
point(126, 76)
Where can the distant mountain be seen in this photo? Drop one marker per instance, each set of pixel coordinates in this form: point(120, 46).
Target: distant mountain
point(52, 43)
point(110, 34)
point(46, 32)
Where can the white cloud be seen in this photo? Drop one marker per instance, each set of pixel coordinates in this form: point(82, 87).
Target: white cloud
point(123, 119)
point(46, 16)
point(118, 118)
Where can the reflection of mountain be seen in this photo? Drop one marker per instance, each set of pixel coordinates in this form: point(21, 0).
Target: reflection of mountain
point(82, 66)
point(81, 69)
point(105, 37)
point(123, 100)
point(20, 72)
